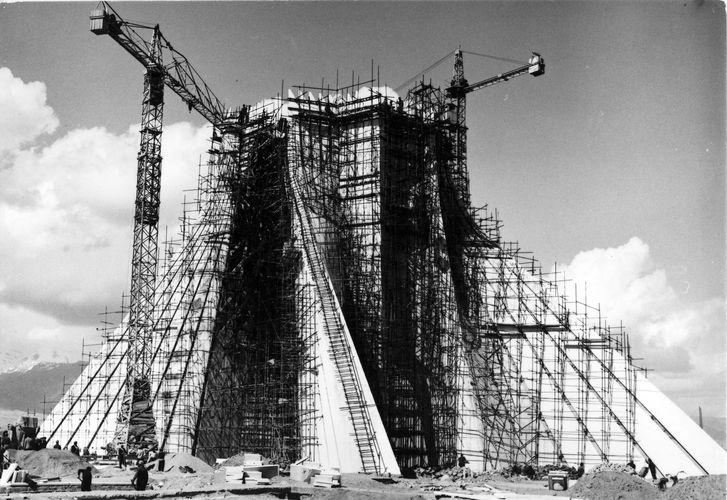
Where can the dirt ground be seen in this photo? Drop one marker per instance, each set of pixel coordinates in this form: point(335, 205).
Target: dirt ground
point(206, 483)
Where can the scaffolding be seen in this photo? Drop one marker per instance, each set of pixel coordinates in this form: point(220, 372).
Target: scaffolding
point(348, 215)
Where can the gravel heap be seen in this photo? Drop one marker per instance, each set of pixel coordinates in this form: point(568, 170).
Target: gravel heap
point(48, 462)
point(607, 467)
point(609, 485)
point(698, 488)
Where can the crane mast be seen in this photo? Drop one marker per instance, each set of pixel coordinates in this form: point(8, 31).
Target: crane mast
point(135, 427)
point(457, 95)
point(136, 420)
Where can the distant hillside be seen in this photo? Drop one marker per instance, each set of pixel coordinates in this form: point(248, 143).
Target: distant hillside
point(24, 390)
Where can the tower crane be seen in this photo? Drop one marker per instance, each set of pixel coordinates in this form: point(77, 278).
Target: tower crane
point(456, 95)
point(459, 88)
point(135, 425)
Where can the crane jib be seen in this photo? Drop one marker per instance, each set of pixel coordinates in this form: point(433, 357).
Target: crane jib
point(535, 67)
point(179, 75)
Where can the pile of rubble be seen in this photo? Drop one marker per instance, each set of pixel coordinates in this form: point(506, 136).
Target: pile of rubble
point(606, 484)
point(445, 474)
point(48, 463)
point(607, 467)
point(512, 472)
point(698, 488)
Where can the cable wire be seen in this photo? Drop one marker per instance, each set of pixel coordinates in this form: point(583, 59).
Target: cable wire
point(435, 64)
point(496, 58)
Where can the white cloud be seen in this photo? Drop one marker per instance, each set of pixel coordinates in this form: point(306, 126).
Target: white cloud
point(683, 342)
point(66, 216)
point(24, 110)
point(29, 337)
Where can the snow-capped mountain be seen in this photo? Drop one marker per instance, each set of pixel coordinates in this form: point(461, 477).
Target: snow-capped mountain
point(14, 360)
point(38, 388)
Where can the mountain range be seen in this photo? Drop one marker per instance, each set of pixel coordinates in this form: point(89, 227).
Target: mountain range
point(26, 389)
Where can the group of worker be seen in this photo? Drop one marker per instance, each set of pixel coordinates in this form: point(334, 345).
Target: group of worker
point(139, 481)
point(528, 470)
point(15, 437)
point(141, 476)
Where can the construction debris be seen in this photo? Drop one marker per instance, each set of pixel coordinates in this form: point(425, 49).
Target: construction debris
point(512, 472)
point(249, 468)
point(608, 485)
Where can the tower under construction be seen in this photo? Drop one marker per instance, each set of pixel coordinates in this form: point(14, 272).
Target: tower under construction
point(334, 297)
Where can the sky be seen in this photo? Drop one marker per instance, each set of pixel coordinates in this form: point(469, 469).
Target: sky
point(611, 164)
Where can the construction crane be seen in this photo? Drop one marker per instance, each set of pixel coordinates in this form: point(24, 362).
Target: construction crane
point(178, 74)
point(459, 88)
point(135, 425)
point(456, 95)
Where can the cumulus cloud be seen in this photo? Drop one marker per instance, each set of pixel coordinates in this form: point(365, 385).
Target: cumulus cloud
point(683, 342)
point(66, 214)
point(44, 339)
point(24, 110)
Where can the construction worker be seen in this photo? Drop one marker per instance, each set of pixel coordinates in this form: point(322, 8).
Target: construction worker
point(652, 468)
point(19, 436)
point(75, 449)
point(85, 476)
point(122, 457)
point(644, 470)
point(13, 445)
point(580, 471)
point(41, 443)
point(464, 464)
point(5, 441)
point(141, 477)
point(161, 462)
point(57, 446)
